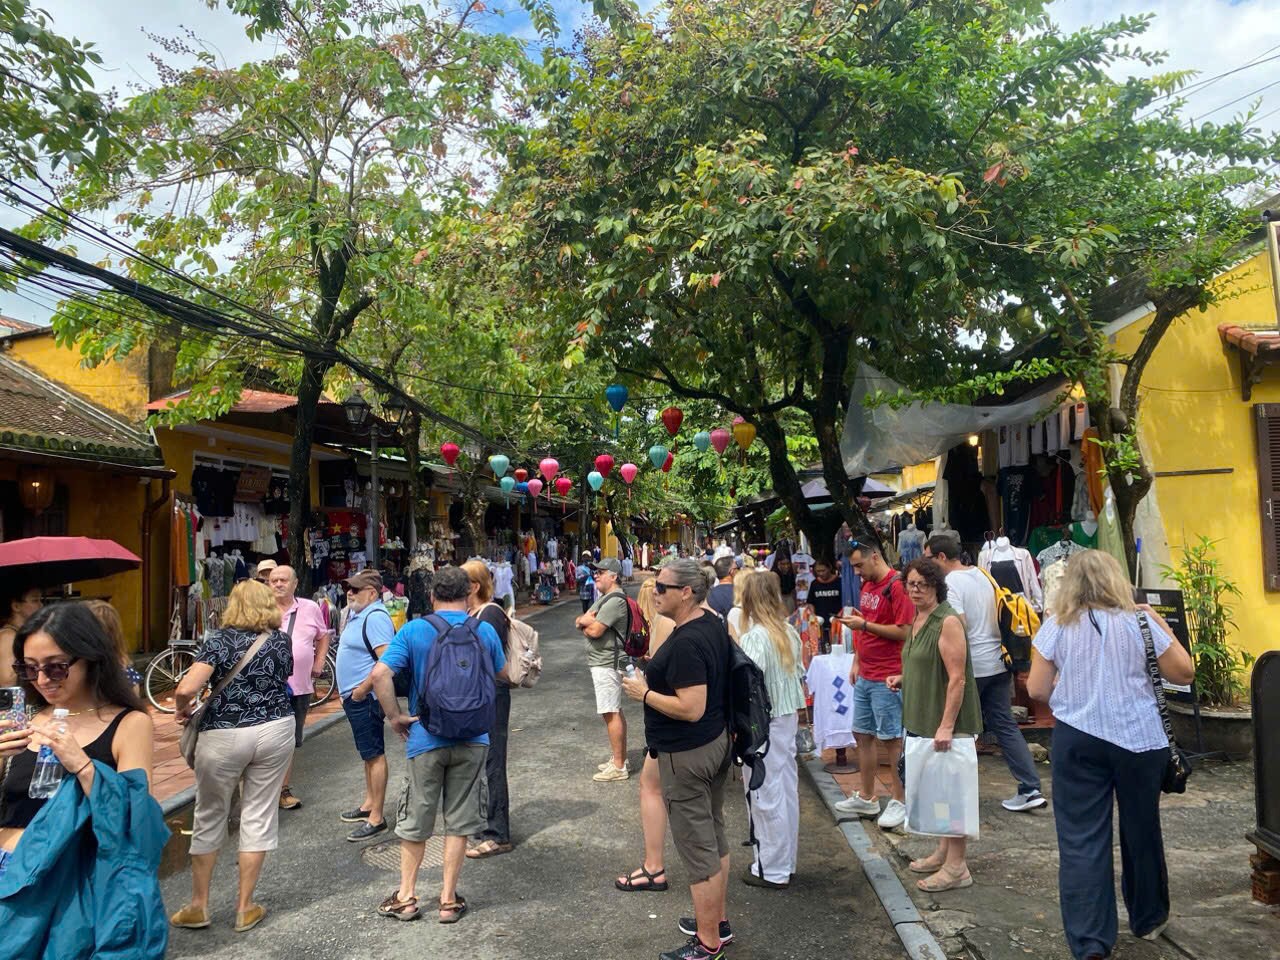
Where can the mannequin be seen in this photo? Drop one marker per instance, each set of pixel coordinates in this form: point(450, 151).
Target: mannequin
point(1012, 567)
point(910, 543)
point(1085, 532)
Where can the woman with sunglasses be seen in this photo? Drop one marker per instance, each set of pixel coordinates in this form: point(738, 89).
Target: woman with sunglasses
point(64, 660)
point(939, 699)
point(683, 690)
point(18, 602)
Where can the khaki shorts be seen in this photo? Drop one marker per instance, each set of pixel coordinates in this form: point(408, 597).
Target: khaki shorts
point(448, 779)
point(608, 684)
point(693, 788)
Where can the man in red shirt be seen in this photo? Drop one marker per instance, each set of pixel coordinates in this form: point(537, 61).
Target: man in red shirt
point(879, 631)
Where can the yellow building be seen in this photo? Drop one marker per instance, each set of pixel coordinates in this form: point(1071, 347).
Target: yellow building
point(1203, 396)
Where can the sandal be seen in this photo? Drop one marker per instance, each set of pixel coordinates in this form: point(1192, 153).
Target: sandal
point(926, 865)
point(455, 910)
point(631, 883)
point(489, 848)
point(945, 880)
point(399, 909)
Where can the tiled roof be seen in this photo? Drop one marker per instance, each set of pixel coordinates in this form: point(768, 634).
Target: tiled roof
point(9, 325)
point(1263, 340)
point(251, 401)
point(40, 416)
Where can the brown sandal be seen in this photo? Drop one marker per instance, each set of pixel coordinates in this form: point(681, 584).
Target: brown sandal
point(926, 865)
point(489, 848)
point(399, 909)
point(455, 910)
point(944, 879)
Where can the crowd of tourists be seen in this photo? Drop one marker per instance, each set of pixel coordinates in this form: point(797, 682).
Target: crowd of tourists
point(928, 671)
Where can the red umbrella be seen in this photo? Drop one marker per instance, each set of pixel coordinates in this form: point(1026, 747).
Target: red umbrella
point(46, 561)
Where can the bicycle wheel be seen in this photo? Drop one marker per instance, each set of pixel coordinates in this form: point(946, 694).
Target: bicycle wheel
point(326, 684)
point(163, 674)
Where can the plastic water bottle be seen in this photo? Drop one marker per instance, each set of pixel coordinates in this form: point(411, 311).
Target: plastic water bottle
point(49, 771)
point(631, 671)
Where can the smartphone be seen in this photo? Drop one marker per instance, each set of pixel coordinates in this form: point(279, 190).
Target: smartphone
point(13, 706)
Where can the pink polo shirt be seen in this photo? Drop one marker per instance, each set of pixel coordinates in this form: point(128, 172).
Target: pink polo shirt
point(308, 628)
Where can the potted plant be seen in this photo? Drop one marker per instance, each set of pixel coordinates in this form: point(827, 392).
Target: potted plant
point(1226, 720)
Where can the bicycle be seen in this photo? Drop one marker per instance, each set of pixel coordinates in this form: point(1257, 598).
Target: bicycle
point(326, 685)
point(165, 671)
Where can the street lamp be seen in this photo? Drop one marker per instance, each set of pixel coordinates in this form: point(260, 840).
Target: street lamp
point(357, 409)
point(360, 418)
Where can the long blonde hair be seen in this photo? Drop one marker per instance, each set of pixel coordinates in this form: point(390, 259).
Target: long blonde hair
point(762, 607)
point(739, 580)
point(644, 600)
point(1094, 581)
point(477, 572)
point(252, 606)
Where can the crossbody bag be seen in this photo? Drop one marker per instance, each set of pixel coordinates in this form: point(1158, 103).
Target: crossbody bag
point(191, 732)
point(1178, 771)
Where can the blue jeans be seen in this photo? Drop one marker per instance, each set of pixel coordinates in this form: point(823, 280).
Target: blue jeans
point(877, 710)
point(1089, 776)
point(996, 694)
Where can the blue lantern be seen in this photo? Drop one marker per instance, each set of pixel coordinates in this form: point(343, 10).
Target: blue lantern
point(522, 487)
point(507, 484)
point(596, 479)
point(499, 464)
point(616, 394)
point(658, 455)
point(702, 440)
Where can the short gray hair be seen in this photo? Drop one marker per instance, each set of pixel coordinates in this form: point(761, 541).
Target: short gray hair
point(688, 572)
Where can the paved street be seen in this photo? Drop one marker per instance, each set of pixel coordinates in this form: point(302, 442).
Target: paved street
point(551, 899)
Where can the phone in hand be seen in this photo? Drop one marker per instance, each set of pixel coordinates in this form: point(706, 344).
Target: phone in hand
point(13, 707)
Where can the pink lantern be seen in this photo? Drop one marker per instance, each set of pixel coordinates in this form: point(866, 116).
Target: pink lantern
point(450, 452)
point(549, 468)
point(563, 486)
point(535, 487)
point(628, 471)
point(720, 438)
point(604, 464)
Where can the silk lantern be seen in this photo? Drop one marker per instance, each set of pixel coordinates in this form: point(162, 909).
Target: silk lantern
point(521, 486)
point(563, 486)
point(449, 451)
point(507, 484)
point(743, 432)
point(535, 487)
point(616, 394)
point(720, 438)
point(672, 417)
point(628, 472)
point(702, 440)
point(658, 454)
point(595, 480)
point(521, 474)
point(549, 467)
point(499, 464)
point(666, 464)
point(604, 463)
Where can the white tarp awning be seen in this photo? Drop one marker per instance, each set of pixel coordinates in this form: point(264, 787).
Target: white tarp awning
point(883, 438)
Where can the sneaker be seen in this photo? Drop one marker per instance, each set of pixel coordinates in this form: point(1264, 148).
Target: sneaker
point(354, 816)
point(250, 918)
point(1024, 801)
point(859, 805)
point(367, 831)
point(197, 919)
point(894, 816)
point(693, 950)
point(751, 880)
point(611, 773)
point(605, 766)
point(689, 927)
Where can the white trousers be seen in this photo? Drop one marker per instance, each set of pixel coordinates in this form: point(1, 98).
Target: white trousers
point(775, 807)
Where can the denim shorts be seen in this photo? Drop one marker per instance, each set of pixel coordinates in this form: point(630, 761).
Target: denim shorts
point(877, 710)
point(366, 722)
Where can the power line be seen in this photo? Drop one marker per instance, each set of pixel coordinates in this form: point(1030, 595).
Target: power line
point(1224, 106)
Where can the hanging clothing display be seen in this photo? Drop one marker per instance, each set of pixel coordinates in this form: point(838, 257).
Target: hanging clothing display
point(1056, 553)
point(910, 544)
point(1013, 568)
point(1091, 468)
point(1085, 533)
point(1016, 487)
point(828, 682)
point(1110, 540)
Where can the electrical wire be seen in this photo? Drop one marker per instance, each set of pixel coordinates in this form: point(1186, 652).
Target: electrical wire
point(1229, 103)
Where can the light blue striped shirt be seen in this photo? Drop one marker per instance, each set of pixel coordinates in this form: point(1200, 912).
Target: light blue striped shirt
point(785, 692)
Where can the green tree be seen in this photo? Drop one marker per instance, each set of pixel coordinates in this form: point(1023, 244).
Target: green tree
point(299, 185)
point(743, 199)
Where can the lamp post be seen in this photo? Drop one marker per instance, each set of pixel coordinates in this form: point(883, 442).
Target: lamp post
point(360, 417)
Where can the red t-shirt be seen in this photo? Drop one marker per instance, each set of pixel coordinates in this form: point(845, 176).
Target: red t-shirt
point(878, 658)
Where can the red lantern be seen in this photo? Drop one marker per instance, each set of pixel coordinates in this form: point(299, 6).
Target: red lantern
point(522, 475)
point(604, 464)
point(666, 466)
point(672, 417)
point(563, 486)
point(450, 451)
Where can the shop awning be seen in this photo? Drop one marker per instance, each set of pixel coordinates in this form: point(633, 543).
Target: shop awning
point(882, 438)
point(277, 413)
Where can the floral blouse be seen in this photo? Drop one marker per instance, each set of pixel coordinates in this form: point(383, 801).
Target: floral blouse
point(260, 692)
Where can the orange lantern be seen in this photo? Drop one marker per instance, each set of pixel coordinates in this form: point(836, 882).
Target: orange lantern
point(743, 432)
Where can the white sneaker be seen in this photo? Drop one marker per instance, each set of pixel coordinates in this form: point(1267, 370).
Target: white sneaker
point(604, 766)
point(857, 804)
point(611, 773)
point(894, 816)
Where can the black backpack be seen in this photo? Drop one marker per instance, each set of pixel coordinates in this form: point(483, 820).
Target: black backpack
point(749, 713)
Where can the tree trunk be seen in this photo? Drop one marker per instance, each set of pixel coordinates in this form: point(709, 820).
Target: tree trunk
point(309, 391)
point(413, 457)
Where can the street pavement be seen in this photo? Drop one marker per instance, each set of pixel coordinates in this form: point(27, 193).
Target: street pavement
point(553, 897)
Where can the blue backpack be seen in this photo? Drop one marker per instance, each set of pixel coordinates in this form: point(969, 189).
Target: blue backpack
point(458, 689)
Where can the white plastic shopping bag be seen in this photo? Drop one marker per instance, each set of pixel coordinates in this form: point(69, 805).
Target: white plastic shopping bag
point(942, 788)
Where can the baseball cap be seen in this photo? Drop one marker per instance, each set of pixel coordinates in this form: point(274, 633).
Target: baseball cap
point(265, 566)
point(608, 564)
point(365, 578)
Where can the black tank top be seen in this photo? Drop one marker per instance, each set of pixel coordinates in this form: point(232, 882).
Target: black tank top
point(16, 808)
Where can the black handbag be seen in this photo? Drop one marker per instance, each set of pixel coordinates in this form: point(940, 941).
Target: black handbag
point(1178, 771)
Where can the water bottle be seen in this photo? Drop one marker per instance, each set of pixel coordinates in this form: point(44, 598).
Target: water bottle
point(631, 671)
point(49, 771)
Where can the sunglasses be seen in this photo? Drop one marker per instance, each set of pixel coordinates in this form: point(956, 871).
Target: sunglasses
point(56, 671)
point(660, 587)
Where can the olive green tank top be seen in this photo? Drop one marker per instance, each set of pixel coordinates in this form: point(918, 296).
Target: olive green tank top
point(924, 681)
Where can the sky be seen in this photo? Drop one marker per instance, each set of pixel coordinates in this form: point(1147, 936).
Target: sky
point(1209, 36)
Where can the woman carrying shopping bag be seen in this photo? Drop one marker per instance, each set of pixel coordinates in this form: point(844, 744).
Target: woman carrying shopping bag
point(939, 699)
point(1092, 663)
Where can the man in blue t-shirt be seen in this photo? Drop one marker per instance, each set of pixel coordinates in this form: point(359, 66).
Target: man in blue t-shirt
point(443, 775)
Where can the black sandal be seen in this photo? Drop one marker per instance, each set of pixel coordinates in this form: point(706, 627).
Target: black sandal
point(631, 883)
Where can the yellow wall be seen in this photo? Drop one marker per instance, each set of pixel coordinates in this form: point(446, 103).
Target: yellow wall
point(120, 386)
point(180, 447)
point(918, 473)
point(1193, 418)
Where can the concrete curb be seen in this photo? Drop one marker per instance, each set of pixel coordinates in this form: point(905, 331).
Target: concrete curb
point(916, 937)
point(184, 797)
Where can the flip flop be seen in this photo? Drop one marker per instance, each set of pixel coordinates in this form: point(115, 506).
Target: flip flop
point(631, 883)
point(455, 909)
point(943, 880)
